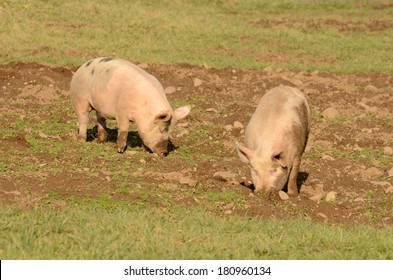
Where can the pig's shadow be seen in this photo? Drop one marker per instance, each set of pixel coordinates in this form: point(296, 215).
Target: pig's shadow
point(133, 138)
point(301, 179)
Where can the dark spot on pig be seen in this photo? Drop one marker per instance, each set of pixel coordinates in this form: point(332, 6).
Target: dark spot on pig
point(106, 59)
point(92, 71)
point(88, 63)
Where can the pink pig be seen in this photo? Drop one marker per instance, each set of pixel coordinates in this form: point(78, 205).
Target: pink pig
point(118, 89)
point(275, 138)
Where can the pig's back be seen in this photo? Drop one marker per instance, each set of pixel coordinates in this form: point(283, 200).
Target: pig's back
point(95, 75)
point(87, 74)
point(278, 112)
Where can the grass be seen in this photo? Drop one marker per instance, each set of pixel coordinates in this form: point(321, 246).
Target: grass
point(365, 155)
point(125, 231)
point(299, 35)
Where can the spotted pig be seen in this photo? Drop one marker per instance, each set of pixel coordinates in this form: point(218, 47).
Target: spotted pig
point(118, 89)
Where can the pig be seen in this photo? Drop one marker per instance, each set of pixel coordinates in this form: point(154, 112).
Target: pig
point(275, 139)
point(118, 89)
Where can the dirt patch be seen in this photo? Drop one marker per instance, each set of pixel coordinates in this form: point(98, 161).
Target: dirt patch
point(316, 24)
point(345, 177)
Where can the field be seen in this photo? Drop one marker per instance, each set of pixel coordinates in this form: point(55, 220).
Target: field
point(62, 199)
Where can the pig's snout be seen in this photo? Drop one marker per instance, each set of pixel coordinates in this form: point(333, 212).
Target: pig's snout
point(158, 151)
point(162, 153)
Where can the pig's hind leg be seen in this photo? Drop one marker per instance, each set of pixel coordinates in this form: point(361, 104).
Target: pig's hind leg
point(82, 109)
point(101, 125)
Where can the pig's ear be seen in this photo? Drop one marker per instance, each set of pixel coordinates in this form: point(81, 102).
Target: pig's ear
point(182, 112)
point(245, 154)
point(279, 157)
point(163, 117)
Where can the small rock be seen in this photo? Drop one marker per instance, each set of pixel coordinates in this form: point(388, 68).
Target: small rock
point(211, 110)
point(389, 190)
point(322, 215)
point(238, 125)
point(197, 82)
point(329, 158)
point(283, 195)
point(371, 88)
point(331, 196)
point(388, 150)
point(228, 127)
point(317, 197)
point(130, 153)
point(390, 172)
point(42, 135)
point(372, 173)
point(330, 113)
point(267, 69)
point(86, 169)
point(142, 161)
point(170, 90)
point(188, 181)
point(228, 212)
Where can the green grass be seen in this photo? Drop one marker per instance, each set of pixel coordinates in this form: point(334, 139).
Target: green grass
point(364, 154)
point(135, 232)
point(210, 33)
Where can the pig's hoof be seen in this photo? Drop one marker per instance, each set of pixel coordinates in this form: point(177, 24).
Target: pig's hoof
point(120, 150)
point(292, 192)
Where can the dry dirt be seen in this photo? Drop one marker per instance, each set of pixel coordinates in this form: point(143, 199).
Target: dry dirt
point(346, 173)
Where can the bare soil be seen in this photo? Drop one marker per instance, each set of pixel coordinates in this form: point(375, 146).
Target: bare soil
point(346, 175)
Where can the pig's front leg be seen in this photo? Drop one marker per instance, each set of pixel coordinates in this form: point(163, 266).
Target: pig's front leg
point(124, 125)
point(101, 124)
point(292, 181)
